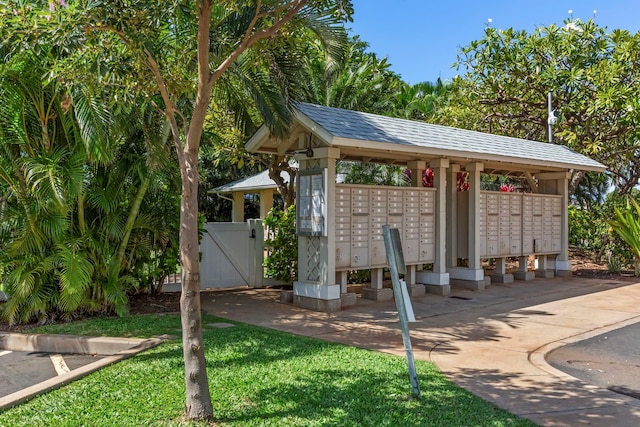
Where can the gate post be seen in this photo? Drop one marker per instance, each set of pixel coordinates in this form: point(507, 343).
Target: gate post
point(256, 255)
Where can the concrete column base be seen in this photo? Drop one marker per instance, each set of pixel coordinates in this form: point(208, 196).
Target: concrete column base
point(524, 275)
point(384, 294)
point(442, 290)
point(564, 273)
point(487, 281)
point(315, 304)
point(473, 285)
point(348, 300)
point(416, 290)
point(501, 278)
point(431, 278)
point(286, 297)
point(545, 274)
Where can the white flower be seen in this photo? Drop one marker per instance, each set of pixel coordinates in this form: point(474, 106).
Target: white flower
point(572, 26)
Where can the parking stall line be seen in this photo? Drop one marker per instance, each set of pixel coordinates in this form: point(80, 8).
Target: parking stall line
point(59, 364)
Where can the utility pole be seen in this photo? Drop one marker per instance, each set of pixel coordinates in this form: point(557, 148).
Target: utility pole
point(551, 118)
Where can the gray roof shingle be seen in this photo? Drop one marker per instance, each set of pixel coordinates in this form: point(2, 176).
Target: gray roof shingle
point(356, 125)
point(260, 181)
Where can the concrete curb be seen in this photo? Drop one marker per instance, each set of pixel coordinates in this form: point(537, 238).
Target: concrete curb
point(113, 349)
point(538, 357)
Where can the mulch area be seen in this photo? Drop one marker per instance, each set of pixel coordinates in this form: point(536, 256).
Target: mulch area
point(583, 266)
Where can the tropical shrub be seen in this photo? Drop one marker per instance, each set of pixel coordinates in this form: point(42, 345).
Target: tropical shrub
point(282, 261)
point(627, 225)
point(74, 180)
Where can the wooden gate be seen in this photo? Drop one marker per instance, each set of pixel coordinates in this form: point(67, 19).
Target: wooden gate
point(231, 255)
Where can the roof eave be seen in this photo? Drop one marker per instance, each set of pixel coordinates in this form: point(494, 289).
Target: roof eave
point(383, 147)
point(254, 143)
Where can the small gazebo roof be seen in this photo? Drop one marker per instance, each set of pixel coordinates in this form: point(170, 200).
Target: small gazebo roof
point(374, 138)
point(260, 181)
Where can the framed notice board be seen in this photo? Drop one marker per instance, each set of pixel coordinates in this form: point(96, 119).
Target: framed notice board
point(311, 202)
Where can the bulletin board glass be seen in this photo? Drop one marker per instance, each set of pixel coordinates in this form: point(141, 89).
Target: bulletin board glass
point(311, 202)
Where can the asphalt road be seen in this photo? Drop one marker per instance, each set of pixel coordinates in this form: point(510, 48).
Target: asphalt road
point(19, 370)
point(610, 360)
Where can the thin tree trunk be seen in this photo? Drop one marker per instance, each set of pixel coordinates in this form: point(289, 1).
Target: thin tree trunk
point(198, 399)
point(116, 265)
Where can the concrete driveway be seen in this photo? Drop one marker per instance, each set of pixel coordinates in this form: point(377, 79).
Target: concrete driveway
point(492, 343)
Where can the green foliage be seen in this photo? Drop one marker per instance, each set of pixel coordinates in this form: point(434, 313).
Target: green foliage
point(73, 178)
point(282, 261)
point(627, 225)
point(591, 72)
point(361, 82)
point(262, 377)
point(372, 174)
point(590, 231)
point(588, 228)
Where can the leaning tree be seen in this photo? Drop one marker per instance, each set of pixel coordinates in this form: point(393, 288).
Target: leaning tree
point(183, 54)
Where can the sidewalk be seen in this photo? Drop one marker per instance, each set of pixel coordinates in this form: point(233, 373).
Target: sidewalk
point(492, 343)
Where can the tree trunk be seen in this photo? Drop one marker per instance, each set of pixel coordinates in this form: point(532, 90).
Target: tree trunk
point(285, 188)
point(198, 399)
point(576, 177)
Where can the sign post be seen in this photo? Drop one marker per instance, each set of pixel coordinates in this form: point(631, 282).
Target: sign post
point(395, 258)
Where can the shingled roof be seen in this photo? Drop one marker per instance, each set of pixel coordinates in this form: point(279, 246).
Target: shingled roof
point(257, 182)
point(354, 132)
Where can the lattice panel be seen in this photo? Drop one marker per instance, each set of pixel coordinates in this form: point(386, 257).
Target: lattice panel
point(313, 164)
point(313, 259)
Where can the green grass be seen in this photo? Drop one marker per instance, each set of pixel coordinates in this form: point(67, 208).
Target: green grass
point(258, 377)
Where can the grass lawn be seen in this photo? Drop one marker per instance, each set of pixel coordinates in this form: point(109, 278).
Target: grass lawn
point(258, 377)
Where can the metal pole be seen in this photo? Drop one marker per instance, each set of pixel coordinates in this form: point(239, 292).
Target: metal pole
point(402, 313)
point(550, 117)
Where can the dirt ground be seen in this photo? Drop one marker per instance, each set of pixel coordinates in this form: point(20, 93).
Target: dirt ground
point(582, 266)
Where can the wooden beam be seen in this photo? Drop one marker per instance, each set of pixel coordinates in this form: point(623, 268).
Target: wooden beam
point(532, 182)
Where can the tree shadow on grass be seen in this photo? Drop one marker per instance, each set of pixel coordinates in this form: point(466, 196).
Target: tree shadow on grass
point(362, 397)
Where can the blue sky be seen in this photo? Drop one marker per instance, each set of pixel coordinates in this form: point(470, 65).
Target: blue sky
point(421, 37)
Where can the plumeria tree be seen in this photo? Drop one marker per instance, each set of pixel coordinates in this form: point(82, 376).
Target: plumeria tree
point(592, 73)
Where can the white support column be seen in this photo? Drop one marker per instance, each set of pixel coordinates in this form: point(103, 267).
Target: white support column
point(417, 168)
point(523, 272)
point(341, 279)
point(562, 261)
point(377, 278)
point(266, 202)
point(437, 281)
point(238, 206)
point(474, 170)
point(439, 167)
point(316, 288)
point(377, 291)
point(543, 269)
point(452, 216)
point(472, 277)
point(500, 275)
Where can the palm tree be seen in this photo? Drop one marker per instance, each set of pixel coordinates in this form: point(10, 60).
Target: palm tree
point(362, 82)
point(421, 100)
point(68, 168)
